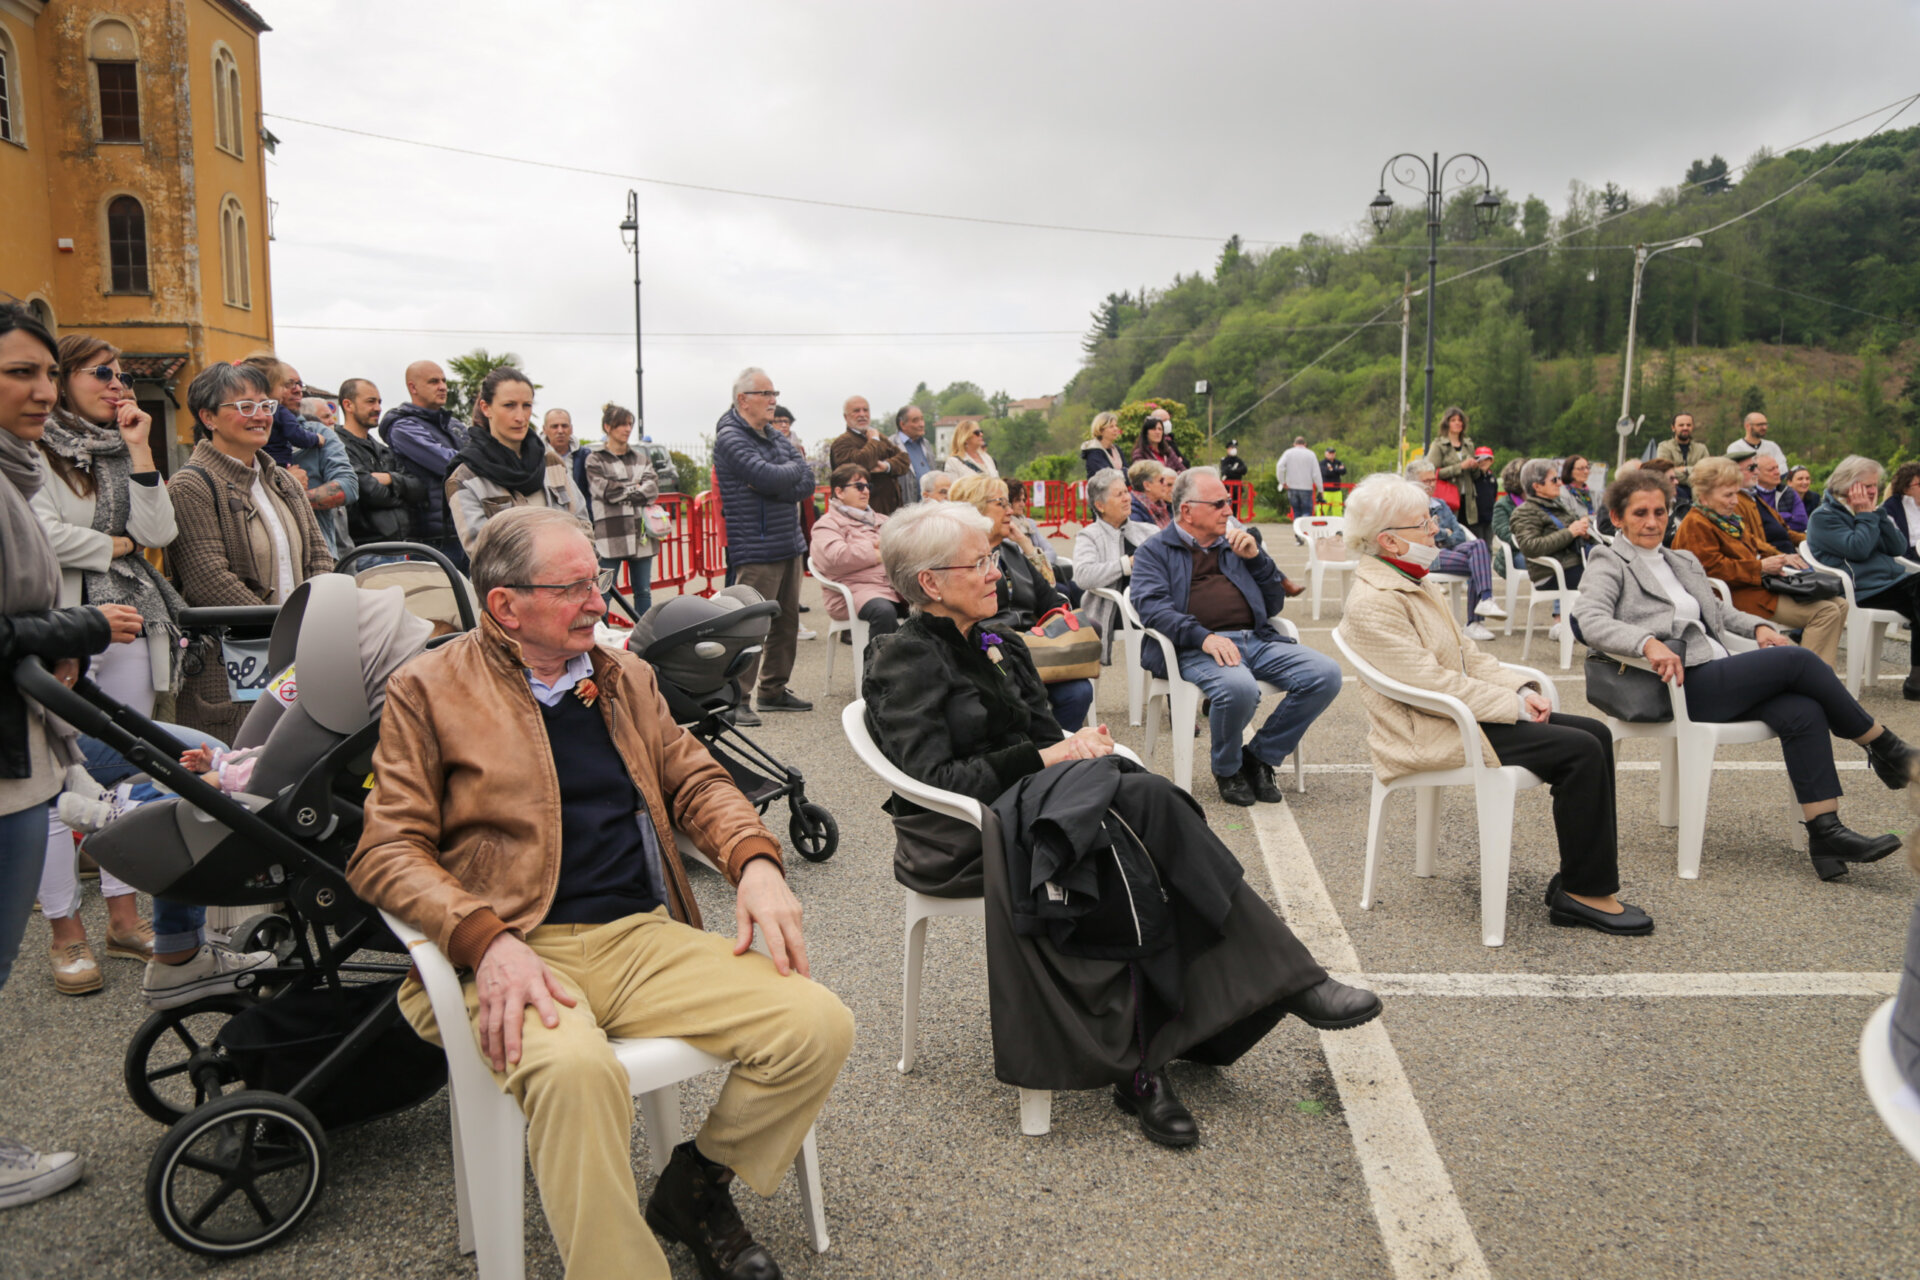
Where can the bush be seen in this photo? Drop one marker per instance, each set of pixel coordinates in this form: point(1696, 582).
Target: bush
point(1187, 437)
point(693, 477)
point(1052, 466)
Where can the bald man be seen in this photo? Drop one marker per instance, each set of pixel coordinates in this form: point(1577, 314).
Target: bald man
point(862, 445)
point(557, 429)
point(426, 437)
point(1753, 431)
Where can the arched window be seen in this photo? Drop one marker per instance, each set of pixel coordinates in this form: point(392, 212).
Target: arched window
point(116, 79)
point(43, 313)
point(235, 280)
point(10, 95)
point(127, 246)
point(227, 113)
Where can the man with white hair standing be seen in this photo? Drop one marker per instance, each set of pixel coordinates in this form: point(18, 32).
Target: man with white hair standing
point(763, 477)
point(862, 445)
point(1213, 592)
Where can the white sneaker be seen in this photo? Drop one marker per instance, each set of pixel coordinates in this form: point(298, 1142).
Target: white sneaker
point(27, 1175)
point(1475, 631)
point(1488, 609)
point(1556, 631)
point(807, 633)
point(214, 969)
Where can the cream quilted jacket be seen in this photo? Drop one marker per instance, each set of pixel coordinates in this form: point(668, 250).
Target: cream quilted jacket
point(1406, 631)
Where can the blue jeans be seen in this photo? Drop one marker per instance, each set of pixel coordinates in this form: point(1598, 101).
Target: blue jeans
point(1300, 501)
point(640, 569)
point(1311, 681)
point(1071, 700)
point(23, 854)
point(176, 925)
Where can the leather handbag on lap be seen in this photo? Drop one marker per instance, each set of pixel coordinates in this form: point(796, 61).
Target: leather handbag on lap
point(1632, 694)
point(1809, 585)
point(1063, 647)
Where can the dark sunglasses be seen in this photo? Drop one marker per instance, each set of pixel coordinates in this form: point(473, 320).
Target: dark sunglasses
point(861, 487)
point(106, 373)
point(1217, 504)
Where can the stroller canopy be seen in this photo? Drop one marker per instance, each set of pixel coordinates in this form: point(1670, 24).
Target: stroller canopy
point(693, 641)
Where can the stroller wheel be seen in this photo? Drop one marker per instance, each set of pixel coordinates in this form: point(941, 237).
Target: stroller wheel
point(172, 1063)
point(813, 832)
point(238, 1174)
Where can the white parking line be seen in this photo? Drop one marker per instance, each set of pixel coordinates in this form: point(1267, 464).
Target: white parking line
point(1637, 766)
point(1592, 986)
point(1423, 1227)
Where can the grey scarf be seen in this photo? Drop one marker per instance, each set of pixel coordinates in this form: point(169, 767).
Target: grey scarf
point(29, 573)
point(867, 516)
point(130, 579)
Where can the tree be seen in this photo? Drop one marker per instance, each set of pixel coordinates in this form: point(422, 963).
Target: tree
point(466, 373)
point(1878, 416)
point(1106, 322)
point(1614, 199)
point(1709, 176)
point(963, 397)
point(997, 403)
point(1752, 400)
point(1015, 441)
point(1230, 258)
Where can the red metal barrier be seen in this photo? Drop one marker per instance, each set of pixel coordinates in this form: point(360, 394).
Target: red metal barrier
point(673, 555)
point(707, 538)
point(1242, 494)
point(1055, 502)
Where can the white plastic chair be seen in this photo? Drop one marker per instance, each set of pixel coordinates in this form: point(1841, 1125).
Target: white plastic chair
point(1515, 575)
point(1494, 790)
point(1866, 628)
point(1538, 595)
point(1129, 635)
point(835, 626)
point(1454, 584)
point(1687, 749)
point(1182, 699)
point(490, 1131)
point(1036, 1105)
point(1892, 1096)
point(1314, 528)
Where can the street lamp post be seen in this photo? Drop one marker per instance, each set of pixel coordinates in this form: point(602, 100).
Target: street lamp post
point(1485, 210)
point(1641, 253)
point(630, 236)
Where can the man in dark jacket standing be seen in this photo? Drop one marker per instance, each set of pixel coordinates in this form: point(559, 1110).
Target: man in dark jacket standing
point(388, 493)
point(763, 478)
point(426, 438)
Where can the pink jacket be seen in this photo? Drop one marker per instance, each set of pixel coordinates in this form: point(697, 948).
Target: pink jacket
point(848, 552)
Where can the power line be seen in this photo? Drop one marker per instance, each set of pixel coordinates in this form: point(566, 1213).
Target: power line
point(628, 333)
point(1825, 302)
point(761, 195)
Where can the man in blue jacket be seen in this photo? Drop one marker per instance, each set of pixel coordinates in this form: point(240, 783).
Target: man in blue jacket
point(1212, 593)
point(763, 477)
point(427, 437)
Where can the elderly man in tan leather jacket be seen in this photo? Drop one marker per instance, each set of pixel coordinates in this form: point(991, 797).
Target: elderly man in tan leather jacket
point(526, 784)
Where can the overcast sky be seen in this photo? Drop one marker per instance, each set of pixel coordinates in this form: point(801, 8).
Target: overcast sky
point(1270, 120)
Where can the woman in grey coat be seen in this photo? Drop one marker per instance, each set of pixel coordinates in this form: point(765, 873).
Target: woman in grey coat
point(1643, 599)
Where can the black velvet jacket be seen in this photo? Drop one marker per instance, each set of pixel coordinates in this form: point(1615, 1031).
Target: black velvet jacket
point(949, 715)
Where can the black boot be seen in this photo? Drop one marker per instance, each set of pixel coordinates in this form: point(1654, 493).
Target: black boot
point(1163, 1117)
point(1235, 788)
point(1833, 846)
point(1911, 689)
point(1893, 760)
point(691, 1204)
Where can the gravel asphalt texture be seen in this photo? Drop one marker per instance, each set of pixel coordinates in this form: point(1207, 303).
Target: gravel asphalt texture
point(1682, 1137)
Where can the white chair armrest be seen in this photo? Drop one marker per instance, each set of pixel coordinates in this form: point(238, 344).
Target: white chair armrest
point(1167, 651)
point(854, 721)
point(1285, 627)
point(1129, 621)
point(829, 584)
point(1425, 699)
point(1559, 571)
point(437, 973)
point(1547, 686)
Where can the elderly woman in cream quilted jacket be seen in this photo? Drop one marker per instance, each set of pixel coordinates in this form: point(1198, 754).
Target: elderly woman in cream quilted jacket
point(1403, 628)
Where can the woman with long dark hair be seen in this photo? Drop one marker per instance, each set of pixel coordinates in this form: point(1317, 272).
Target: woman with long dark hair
point(504, 464)
point(1451, 454)
point(1155, 442)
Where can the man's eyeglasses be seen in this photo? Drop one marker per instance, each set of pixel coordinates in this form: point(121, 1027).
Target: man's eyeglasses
point(774, 394)
point(106, 373)
point(983, 565)
point(251, 408)
point(568, 592)
point(1218, 504)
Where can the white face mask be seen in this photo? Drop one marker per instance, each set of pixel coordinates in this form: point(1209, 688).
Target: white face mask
point(1419, 553)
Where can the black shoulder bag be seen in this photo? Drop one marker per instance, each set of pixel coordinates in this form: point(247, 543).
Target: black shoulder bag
point(1628, 693)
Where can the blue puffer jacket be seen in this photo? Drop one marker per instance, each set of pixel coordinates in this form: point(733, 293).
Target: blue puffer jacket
point(1862, 543)
point(763, 479)
point(426, 440)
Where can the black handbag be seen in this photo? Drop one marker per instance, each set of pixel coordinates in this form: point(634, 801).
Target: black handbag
point(1809, 585)
point(1632, 694)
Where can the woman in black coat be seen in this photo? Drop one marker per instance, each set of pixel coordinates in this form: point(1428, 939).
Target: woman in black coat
point(961, 707)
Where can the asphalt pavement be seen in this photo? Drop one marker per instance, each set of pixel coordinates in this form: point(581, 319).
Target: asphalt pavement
point(1630, 1135)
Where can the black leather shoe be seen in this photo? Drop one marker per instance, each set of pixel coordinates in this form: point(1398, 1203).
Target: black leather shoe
point(785, 700)
point(1333, 1006)
point(1631, 921)
point(1832, 846)
point(1911, 689)
point(1891, 759)
point(1235, 789)
point(1260, 774)
point(692, 1205)
point(1163, 1117)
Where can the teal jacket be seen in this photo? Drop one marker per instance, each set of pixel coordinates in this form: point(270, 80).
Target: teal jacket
point(1863, 543)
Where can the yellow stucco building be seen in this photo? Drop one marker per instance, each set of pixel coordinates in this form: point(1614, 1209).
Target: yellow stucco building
point(133, 195)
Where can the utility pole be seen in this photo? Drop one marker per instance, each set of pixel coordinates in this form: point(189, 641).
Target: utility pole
point(1626, 425)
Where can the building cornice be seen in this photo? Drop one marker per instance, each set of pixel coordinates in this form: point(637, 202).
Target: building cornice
point(241, 10)
point(28, 11)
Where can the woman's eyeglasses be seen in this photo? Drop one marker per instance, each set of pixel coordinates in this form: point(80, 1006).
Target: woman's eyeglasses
point(861, 487)
point(982, 565)
point(251, 408)
point(106, 373)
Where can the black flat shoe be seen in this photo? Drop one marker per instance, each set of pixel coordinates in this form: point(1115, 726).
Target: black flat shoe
point(693, 1205)
point(1630, 921)
point(1891, 760)
point(1832, 846)
point(785, 700)
point(1235, 789)
point(1259, 774)
point(1333, 1006)
point(1911, 689)
point(1163, 1117)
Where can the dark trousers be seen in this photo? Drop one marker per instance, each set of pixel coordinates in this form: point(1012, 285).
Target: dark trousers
point(1904, 599)
point(882, 616)
point(1573, 755)
point(777, 581)
point(1797, 695)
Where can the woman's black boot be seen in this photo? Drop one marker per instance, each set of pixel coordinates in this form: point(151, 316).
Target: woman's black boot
point(1892, 759)
point(1833, 846)
point(1911, 689)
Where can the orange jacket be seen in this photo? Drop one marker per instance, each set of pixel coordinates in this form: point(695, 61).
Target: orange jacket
point(1735, 561)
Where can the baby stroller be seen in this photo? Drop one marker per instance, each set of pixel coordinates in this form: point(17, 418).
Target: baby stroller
point(250, 1082)
point(698, 646)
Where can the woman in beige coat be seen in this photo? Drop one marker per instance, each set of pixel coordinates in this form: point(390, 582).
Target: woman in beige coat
point(1403, 628)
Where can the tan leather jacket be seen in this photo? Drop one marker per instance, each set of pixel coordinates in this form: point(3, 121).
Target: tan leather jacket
point(462, 835)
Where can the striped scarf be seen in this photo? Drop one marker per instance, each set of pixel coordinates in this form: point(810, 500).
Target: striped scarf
point(1733, 526)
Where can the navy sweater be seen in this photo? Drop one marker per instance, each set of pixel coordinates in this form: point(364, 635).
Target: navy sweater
point(605, 860)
